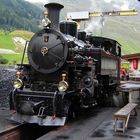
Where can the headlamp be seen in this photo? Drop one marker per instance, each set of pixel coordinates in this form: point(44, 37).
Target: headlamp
point(87, 81)
point(18, 83)
point(63, 86)
point(18, 74)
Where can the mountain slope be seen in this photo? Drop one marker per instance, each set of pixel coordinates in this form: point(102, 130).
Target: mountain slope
point(125, 33)
point(19, 14)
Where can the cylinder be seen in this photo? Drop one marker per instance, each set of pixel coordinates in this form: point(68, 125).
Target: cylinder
point(69, 27)
point(53, 14)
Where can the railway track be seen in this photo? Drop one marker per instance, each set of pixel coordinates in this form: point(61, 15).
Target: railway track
point(13, 133)
point(24, 132)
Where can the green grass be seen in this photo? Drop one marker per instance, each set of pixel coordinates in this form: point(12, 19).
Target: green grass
point(124, 33)
point(26, 35)
point(21, 33)
point(14, 58)
point(128, 46)
point(6, 42)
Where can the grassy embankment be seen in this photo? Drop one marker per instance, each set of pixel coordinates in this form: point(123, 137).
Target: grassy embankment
point(7, 42)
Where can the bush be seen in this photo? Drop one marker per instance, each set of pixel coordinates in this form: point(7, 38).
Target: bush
point(3, 60)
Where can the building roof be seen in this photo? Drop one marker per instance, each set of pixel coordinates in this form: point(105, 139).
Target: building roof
point(131, 56)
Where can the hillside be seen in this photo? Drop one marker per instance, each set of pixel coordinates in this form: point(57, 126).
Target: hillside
point(40, 5)
point(125, 32)
point(19, 14)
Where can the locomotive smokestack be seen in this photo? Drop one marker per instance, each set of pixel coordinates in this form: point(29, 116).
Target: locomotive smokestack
point(53, 14)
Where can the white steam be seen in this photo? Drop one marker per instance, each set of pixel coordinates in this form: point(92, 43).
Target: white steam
point(121, 4)
point(107, 1)
point(96, 24)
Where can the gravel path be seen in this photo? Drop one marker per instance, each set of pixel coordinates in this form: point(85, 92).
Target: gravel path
point(7, 75)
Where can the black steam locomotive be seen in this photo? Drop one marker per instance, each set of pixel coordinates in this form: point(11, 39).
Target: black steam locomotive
point(67, 71)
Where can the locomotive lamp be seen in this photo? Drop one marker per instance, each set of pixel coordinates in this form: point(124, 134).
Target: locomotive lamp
point(87, 81)
point(63, 85)
point(46, 22)
point(18, 74)
point(18, 83)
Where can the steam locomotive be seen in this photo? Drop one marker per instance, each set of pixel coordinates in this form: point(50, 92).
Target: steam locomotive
point(68, 70)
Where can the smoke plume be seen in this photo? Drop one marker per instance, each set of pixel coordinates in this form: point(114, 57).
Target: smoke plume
point(99, 6)
point(121, 4)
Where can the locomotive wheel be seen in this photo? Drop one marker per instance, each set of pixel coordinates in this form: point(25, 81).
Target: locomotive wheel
point(72, 111)
point(69, 111)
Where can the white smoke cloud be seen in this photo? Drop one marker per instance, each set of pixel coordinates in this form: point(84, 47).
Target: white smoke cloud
point(107, 1)
point(95, 25)
point(35, 1)
point(121, 4)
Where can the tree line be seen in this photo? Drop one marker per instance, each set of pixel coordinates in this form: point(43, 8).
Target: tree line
point(19, 14)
